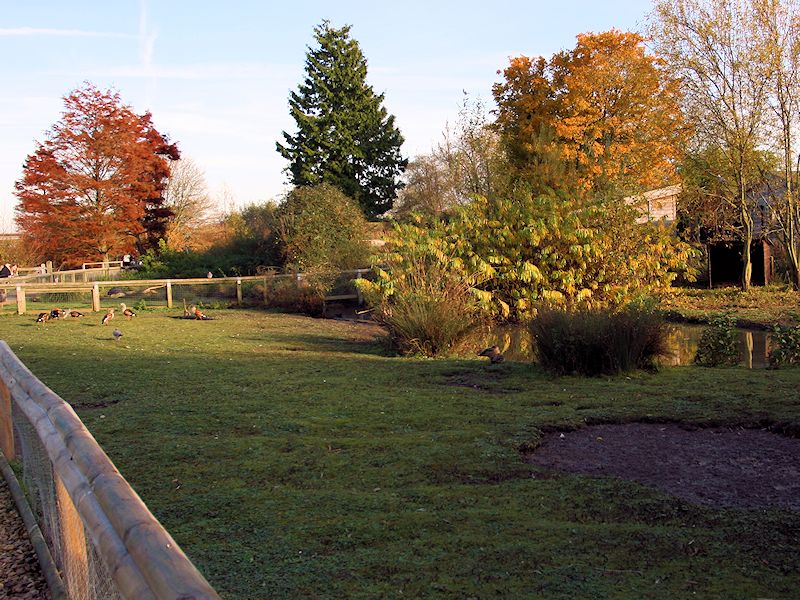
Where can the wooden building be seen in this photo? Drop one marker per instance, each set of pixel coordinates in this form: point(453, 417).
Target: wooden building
point(657, 205)
point(724, 262)
point(724, 257)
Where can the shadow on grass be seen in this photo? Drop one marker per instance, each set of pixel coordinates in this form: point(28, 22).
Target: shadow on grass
point(483, 378)
point(405, 471)
point(324, 343)
point(53, 324)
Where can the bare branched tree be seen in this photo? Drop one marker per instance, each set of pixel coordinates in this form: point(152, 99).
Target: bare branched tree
point(187, 196)
point(778, 23)
point(717, 52)
point(467, 162)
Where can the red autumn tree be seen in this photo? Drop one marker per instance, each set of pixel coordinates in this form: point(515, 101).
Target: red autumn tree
point(94, 188)
point(604, 116)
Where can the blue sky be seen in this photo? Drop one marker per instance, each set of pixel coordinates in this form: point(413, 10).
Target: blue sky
point(217, 75)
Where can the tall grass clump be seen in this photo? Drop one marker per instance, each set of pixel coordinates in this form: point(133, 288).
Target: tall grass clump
point(424, 294)
point(598, 341)
point(430, 312)
point(718, 344)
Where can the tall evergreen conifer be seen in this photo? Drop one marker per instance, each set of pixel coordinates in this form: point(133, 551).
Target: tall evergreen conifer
point(344, 135)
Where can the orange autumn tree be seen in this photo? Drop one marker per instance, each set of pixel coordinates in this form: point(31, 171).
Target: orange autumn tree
point(602, 117)
point(94, 188)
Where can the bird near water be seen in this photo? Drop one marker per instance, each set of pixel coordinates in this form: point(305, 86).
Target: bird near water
point(494, 354)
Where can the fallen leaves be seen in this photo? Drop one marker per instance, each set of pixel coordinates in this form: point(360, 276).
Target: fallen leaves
point(20, 575)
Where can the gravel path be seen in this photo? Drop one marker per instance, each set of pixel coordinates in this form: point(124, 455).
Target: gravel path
point(20, 576)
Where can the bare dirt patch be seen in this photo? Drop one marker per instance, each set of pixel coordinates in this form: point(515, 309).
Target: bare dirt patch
point(744, 468)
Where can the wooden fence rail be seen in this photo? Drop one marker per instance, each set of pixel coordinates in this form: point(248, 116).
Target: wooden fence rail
point(102, 265)
point(93, 497)
point(25, 288)
point(35, 276)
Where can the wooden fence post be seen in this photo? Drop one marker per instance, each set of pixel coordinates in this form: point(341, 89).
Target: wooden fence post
point(6, 424)
point(73, 543)
point(96, 298)
point(141, 557)
point(265, 290)
point(169, 294)
point(20, 300)
point(239, 292)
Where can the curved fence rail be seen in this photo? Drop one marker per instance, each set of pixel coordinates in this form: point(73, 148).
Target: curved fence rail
point(103, 538)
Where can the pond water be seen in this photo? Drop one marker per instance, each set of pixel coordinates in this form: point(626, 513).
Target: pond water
point(754, 346)
point(515, 344)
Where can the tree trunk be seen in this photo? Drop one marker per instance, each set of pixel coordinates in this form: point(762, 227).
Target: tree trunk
point(794, 265)
point(747, 267)
point(789, 235)
point(796, 276)
point(747, 243)
point(747, 238)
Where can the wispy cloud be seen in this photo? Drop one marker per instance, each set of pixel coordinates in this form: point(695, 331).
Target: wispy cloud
point(198, 72)
point(147, 39)
point(38, 31)
point(232, 127)
point(147, 50)
point(27, 113)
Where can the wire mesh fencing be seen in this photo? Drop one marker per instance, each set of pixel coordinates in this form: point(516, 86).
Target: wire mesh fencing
point(72, 276)
point(82, 577)
point(88, 514)
point(103, 540)
point(270, 290)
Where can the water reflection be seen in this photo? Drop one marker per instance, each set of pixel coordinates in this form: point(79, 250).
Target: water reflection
point(515, 342)
point(753, 345)
point(516, 345)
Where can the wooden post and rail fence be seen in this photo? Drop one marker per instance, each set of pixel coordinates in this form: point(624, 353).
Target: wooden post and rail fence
point(88, 272)
point(25, 288)
point(96, 511)
point(103, 539)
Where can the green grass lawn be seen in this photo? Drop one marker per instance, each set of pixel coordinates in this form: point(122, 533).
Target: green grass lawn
point(292, 457)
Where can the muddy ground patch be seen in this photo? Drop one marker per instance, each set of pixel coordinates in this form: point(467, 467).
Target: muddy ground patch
point(745, 468)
